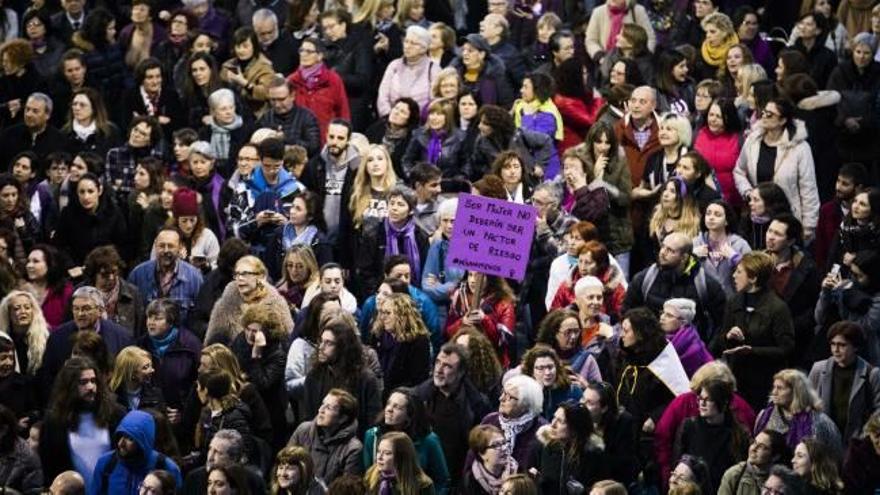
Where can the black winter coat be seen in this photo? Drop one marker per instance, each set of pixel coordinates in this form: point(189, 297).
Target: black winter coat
point(557, 467)
point(266, 374)
point(768, 329)
point(98, 142)
point(177, 369)
point(451, 158)
point(408, 363)
point(79, 231)
point(821, 61)
point(370, 256)
point(352, 58)
point(365, 388)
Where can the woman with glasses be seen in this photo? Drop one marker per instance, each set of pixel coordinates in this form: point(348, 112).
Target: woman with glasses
point(777, 151)
point(318, 87)
point(259, 348)
point(714, 434)
point(748, 477)
point(542, 364)
point(89, 127)
point(676, 320)
point(519, 417)
point(561, 330)
point(571, 452)
point(249, 286)
point(158, 482)
point(492, 462)
point(405, 413)
point(412, 75)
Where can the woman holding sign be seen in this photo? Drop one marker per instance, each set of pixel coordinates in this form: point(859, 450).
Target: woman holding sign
point(494, 313)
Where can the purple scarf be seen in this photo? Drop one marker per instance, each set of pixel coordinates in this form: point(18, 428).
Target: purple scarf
point(311, 75)
point(411, 247)
point(435, 145)
point(691, 350)
point(800, 427)
point(386, 483)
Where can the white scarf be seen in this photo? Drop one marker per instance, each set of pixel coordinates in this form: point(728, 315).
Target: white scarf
point(84, 131)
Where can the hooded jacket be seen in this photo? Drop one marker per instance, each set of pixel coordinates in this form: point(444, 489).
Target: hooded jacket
point(126, 475)
point(334, 453)
point(794, 172)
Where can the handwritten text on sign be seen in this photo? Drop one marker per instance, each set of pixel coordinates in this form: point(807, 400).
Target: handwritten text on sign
point(492, 236)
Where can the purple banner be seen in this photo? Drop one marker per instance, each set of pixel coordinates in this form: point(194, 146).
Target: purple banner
point(492, 236)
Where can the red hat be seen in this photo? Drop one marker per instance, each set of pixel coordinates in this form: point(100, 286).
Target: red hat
point(185, 203)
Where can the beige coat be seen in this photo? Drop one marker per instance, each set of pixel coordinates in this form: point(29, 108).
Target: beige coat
point(600, 27)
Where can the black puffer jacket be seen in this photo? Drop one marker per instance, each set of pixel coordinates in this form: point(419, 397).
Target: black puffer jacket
point(352, 58)
point(79, 231)
point(451, 156)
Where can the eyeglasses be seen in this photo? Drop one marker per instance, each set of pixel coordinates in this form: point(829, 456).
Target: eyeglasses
point(505, 395)
point(569, 332)
point(674, 475)
point(329, 407)
point(140, 132)
point(83, 309)
point(767, 114)
point(497, 445)
point(704, 400)
point(244, 274)
point(307, 51)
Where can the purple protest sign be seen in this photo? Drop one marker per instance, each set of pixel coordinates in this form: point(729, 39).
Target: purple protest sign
point(492, 236)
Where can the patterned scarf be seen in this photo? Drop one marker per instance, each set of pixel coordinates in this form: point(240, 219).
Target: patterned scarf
point(488, 481)
point(393, 235)
point(512, 428)
point(289, 237)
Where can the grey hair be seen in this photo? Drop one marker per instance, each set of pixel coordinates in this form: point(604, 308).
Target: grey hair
point(221, 96)
point(447, 208)
point(90, 292)
point(551, 189)
point(235, 440)
point(865, 39)
point(531, 394)
point(407, 194)
point(262, 15)
point(686, 308)
point(46, 99)
point(202, 148)
point(588, 282)
point(165, 307)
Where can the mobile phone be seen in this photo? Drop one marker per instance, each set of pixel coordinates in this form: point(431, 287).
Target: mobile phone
point(835, 269)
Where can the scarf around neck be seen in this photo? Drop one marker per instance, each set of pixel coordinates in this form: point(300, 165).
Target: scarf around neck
point(716, 56)
point(290, 238)
point(311, 75)
point(512, 428)
point(488, 481)
point(616, 14)
point(162, 344)
point(221, 136)
point(386, 483)
point(393, 235)
point(84, 131)
point(435, 146)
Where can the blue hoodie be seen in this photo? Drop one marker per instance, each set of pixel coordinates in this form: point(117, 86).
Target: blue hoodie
point(127, 475)
point(286, 185)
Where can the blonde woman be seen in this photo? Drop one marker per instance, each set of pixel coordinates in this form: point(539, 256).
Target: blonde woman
point(396, 469)
point(132, 381)
point(218, 357)
point(795, 410)
point(22, 320)
point(438, 142)
point(299, 273)
point(720, 37)
point(675, 212)
point(747, 75)
point(373, 180)
point(250, 286)
point(447, 84)
point(402, 342)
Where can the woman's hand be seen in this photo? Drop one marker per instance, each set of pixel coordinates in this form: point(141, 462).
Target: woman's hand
point(381, 44)
point(259, 344)
point(736, 334)
point(600, 166)
point(143, 200)
point(648, 426)
point(475, 316)
point(727, 251)
point(832, 281)
point(701, 251)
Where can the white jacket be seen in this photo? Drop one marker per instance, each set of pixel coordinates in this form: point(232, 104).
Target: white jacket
point(794, 172)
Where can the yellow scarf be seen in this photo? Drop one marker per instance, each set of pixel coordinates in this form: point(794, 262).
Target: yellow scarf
point(716, 56)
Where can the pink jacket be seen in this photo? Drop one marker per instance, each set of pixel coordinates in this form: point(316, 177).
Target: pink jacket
point(721, 151)
point(682, 407)
point(55, 304)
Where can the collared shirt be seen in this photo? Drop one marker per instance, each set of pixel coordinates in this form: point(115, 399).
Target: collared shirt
point(642, 135)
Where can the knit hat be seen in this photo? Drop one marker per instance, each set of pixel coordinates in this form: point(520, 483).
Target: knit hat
point(867, 39)
point(477, 41)
point(185, 203)
point(419, 34)
point(203, 148)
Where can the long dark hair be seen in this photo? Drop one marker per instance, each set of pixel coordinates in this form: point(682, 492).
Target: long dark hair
point(65, 407)
point(189, 87)
point(608, 400)
point(651, 338)
point(56, 265)
point(666, 62)
point(8, 419)
point(418, 425)
point(580, 428)
point(21, 206)
point(94, 27)
point(501, 123)
point(721, 393)
point(570, 82)
point(312, 328)
point(345, 370)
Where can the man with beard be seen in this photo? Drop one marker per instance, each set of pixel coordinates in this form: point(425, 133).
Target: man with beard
point(168, 276)
point(227, 448)
point(677, 273)
point(122, 470)
point(76, 430)
point(34, 134)
point(87, 306)
point(453, 403)
point(851, 180)
point(795, 280)
point(331, 174)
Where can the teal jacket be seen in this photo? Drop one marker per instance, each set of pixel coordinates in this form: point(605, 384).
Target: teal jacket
point(430, 453)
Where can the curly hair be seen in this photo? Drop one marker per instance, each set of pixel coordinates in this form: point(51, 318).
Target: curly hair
point(64, 407)
point(501, 123)
point(408, 322)
point(545, 351)
point(19, 51)
point(485, 369)
point(345, 369)
point(269, 321)
point(549, 326)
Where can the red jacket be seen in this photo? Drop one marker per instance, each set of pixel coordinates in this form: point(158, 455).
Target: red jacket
point(635, 157)
point(326, 98)
point(830, 216)
point(498, 313)
point(577, 117)
point(721, 151)
point(686, 406)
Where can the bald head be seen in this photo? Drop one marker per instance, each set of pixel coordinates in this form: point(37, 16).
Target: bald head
point(68, 483)
point(674, 250)
point(643, 102)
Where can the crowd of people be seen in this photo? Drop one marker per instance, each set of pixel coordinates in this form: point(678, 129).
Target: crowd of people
point(225, 227)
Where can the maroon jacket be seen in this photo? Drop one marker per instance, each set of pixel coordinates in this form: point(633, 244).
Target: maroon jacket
point(830, 216)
